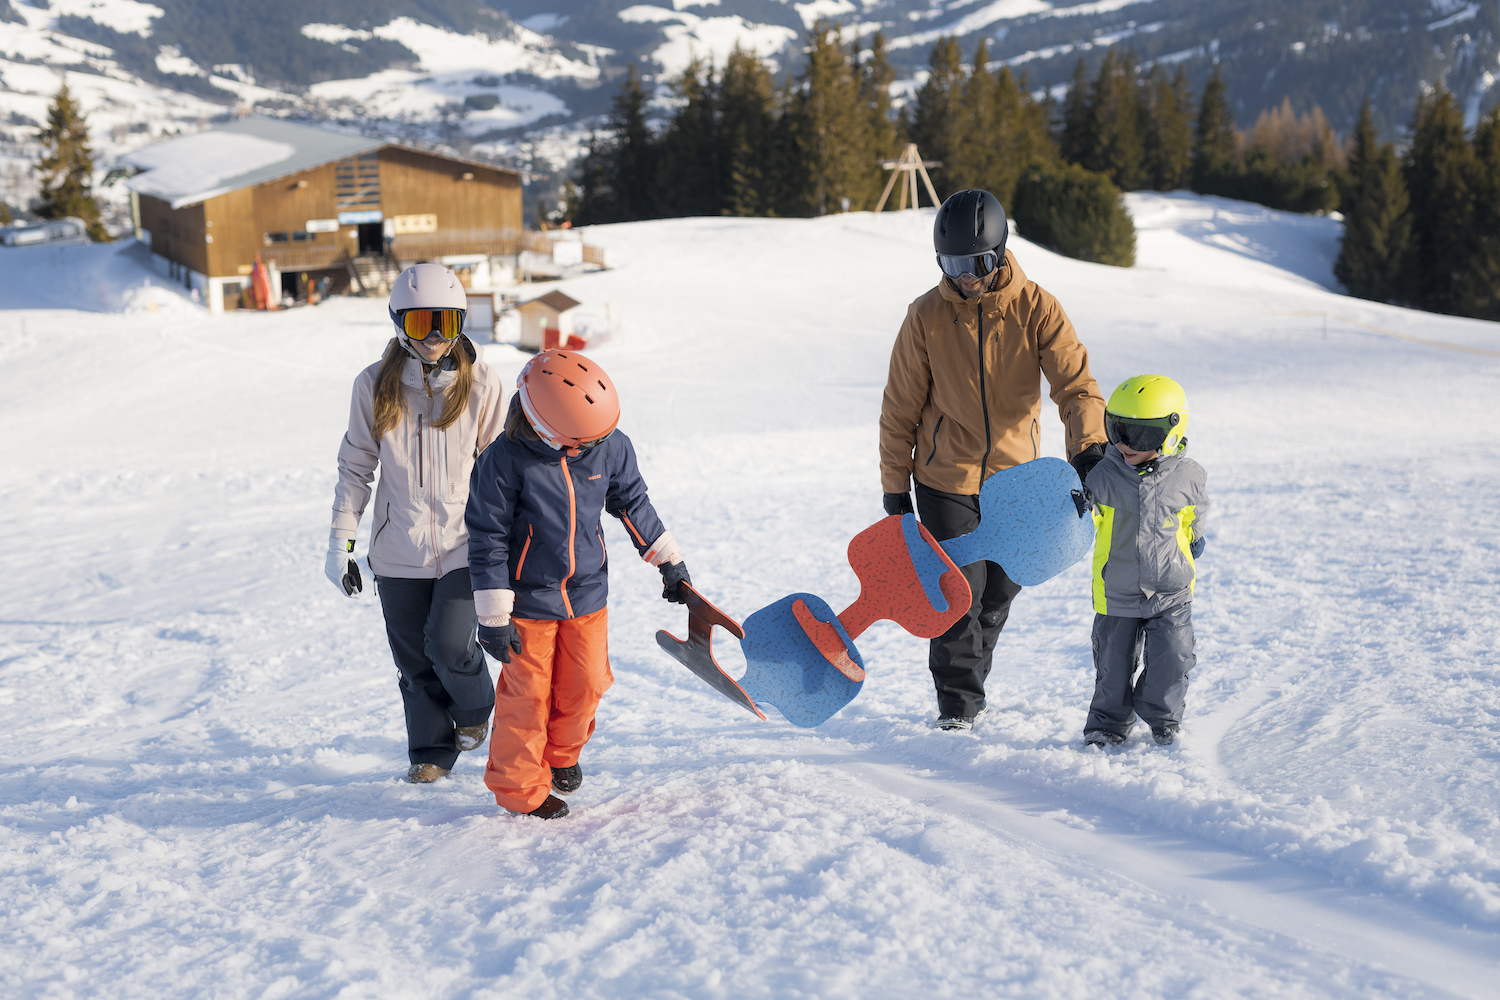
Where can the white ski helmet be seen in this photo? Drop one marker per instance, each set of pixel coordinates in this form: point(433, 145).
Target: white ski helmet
point(425, 286)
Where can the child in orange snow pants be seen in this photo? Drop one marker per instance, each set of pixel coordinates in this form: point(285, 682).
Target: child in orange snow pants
point(545, 704)
point(541, 576)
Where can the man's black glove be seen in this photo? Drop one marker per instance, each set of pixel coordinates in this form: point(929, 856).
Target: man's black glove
point(671, 575)
point(1197, 546)
point(1083, 463)
point(896, 503)
point(500, 640)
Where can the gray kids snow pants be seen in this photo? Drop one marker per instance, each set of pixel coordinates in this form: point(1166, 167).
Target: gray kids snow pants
point(961, 657)
point(1157, 697)
point(444, 680)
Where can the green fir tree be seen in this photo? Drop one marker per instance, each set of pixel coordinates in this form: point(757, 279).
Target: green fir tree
point(1481, 287)
point(747, 109)
point(1119, 149)
point(1376, 223)
point(1078, 138)
point(1215, 147)
point(1439, 169)
point(937, 122)
point(66, 167)
point(693, 161)
point(1169, 131)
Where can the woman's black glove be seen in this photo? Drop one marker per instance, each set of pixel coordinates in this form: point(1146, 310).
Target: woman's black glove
point(671, 575)
point(500, 640)
point(896, 503)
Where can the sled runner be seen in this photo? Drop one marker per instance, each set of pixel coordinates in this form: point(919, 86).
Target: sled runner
point(696, 652)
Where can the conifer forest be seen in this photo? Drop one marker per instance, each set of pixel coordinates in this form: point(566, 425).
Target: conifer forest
point(1422, 210)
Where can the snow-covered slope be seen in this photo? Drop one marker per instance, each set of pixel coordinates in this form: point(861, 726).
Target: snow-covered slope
point(204, 741)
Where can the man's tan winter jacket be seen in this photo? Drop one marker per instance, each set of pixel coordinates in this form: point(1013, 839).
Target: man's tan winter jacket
point(418, 531)
point(947, 414)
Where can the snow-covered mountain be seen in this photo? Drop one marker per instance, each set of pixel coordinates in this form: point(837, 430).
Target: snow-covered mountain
point(491, 77)
point(204, 744)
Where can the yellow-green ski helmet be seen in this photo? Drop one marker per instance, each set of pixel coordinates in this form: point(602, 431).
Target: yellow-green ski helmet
point(1147, 413)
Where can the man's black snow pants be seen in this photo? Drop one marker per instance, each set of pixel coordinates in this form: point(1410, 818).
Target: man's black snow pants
point(960, 658)
point(1158, 696)
point(444, 680)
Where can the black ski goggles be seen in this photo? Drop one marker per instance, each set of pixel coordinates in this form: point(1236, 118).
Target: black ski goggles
point(1140, 433)
point(975, 265)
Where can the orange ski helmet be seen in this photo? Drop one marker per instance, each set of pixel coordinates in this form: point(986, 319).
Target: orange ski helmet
point(568, 399)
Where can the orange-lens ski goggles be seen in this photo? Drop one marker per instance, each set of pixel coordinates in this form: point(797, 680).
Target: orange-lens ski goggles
point(419, 324)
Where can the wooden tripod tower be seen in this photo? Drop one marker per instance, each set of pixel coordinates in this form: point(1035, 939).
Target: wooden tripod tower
point(909, 163)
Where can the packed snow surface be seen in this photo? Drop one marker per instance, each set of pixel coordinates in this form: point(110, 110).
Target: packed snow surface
point(203, 787)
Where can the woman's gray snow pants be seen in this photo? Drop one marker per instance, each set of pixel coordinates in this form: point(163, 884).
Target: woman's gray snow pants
point(1160, 692)
point(444, 680)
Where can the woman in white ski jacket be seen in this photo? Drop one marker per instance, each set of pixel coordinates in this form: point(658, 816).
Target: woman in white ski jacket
point(422, 414)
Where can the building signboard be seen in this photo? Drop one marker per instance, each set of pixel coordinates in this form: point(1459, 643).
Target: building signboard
point(359, 218)
point(405, 224)
point(323, 225)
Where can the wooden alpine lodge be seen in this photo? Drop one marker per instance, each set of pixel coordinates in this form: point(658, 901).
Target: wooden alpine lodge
point(304, 208)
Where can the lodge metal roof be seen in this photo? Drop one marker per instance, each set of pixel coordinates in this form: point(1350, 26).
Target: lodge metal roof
point(188, 169)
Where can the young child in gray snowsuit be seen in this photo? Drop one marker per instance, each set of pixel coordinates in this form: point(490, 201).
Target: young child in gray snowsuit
point(1150, 502)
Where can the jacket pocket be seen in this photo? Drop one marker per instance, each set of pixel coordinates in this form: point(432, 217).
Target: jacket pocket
point(524, 549)
point(933, 454)
point(383, 525)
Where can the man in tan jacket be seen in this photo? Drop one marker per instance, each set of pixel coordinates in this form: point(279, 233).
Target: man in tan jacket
point(963, 401)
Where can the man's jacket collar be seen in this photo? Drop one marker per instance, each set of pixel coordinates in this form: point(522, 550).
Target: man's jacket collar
point(1012, 280)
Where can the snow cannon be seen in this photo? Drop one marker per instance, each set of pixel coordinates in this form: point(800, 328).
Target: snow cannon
point(801, 657)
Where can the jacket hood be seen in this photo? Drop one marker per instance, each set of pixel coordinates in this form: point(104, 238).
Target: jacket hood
point(1006, 291)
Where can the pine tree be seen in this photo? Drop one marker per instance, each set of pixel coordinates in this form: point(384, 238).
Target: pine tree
point(747, 121)
point(1376, 223)
point(1439, 170)
point(1214, 143)
point(1481, 286)
point(1115, 107)
point(937, 124)
point(619, 180)
point(832, 136)
point(692, 157)
point(1169, 131)
point(876, 77)
point(975, 160)
point(1078, 138)
point(66, 168)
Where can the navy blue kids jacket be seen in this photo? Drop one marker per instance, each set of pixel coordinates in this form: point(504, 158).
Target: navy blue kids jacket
point(533, 519)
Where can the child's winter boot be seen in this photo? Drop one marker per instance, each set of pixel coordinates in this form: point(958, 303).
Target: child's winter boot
point(566, 780)
point(553, 808)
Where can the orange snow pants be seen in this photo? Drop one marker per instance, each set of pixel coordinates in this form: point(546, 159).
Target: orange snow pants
point(544, 705)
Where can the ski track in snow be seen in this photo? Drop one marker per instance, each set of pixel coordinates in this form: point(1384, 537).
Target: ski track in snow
point(204, 742)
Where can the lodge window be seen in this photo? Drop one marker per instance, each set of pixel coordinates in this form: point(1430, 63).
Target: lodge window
point(276, 237)
point(357, 182)
point(302, 236)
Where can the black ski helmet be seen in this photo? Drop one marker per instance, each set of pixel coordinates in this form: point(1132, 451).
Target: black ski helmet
point(970, 222)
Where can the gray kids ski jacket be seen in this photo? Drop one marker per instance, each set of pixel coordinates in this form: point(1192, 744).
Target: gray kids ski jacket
point(1145, 520)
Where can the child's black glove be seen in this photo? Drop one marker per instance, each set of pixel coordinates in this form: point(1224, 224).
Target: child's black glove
point(500, 640)
point(671, 575)
point(896, 503)
point(1083, 463)
point(1196, 547)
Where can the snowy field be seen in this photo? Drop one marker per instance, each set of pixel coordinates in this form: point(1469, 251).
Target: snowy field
point(203, 795)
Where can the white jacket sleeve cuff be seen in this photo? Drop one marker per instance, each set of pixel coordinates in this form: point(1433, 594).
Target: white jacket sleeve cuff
point(663, 550)
point(493, 607)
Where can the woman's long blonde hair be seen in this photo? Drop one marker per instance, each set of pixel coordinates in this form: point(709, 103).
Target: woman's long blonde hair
point(389, 407)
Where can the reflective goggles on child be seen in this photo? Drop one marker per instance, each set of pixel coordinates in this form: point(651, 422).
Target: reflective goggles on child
point(1140, 434)
point(419, 324)
point(975, 265)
